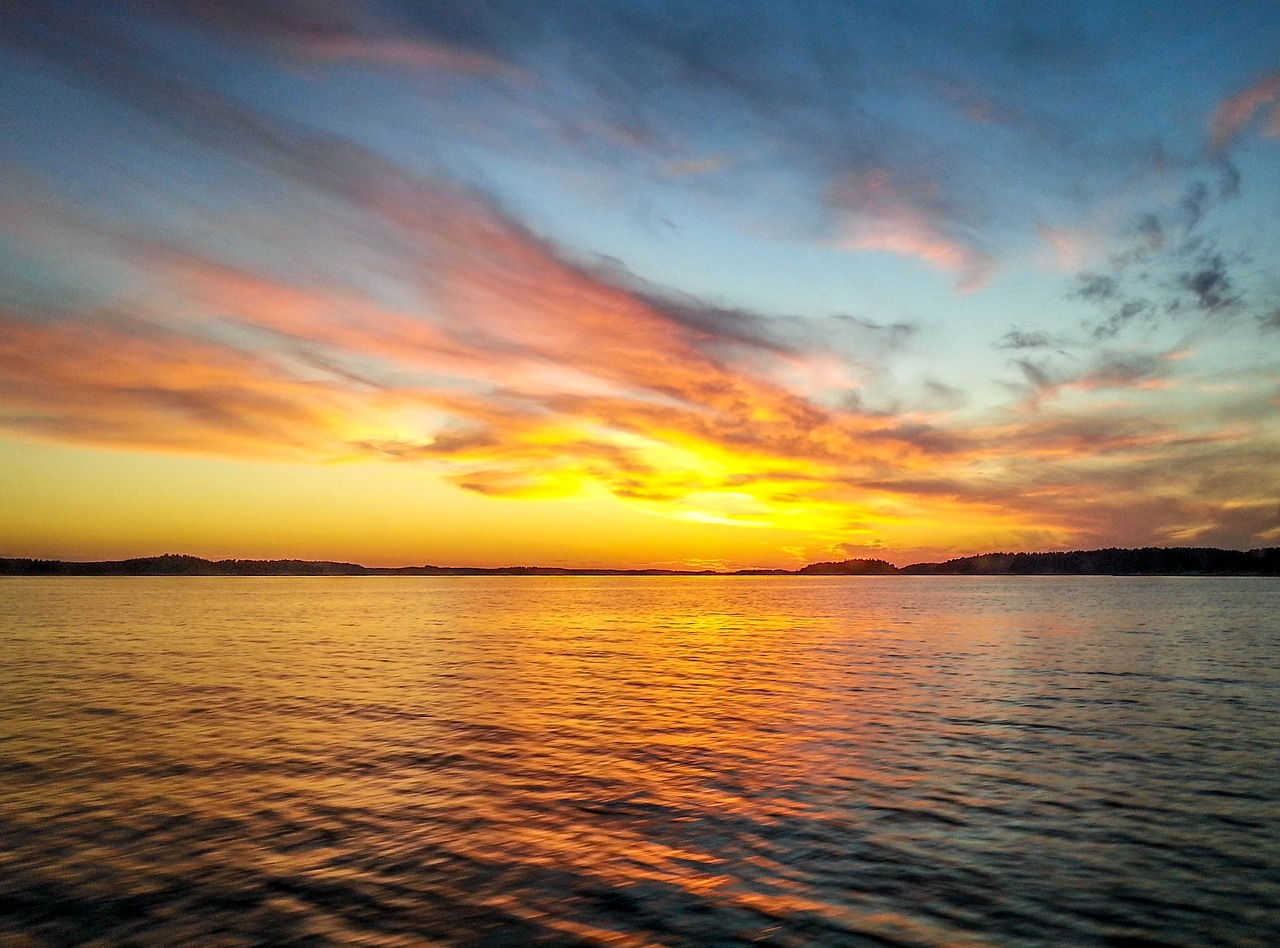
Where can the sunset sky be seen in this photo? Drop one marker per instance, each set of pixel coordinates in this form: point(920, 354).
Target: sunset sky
point(606, 283)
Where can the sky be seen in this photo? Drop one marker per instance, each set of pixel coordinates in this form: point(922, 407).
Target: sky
point(637, 283)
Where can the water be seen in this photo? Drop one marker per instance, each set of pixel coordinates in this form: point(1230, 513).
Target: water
point(639, 761)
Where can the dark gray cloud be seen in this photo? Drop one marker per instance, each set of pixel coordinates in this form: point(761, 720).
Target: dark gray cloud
point(1036, 374)
point(1021, 339)
point(1209, 283)
point(1116, 370)
point(1173, 265)
point(1045, 376)
point(1096, 287)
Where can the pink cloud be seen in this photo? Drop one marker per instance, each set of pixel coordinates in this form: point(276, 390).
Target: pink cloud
point(877, 212)
point(338, 31)
point(1235, 114)
point(412, 55)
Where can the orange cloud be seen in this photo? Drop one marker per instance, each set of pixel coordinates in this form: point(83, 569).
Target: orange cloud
point(123, 382)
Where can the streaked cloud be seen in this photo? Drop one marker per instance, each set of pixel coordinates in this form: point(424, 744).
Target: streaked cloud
point(540, 375)
point(123, 382)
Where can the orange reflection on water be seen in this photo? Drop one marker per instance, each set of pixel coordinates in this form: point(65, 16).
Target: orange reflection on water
point(633, 761)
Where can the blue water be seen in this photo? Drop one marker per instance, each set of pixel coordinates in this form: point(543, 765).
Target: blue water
point(640, 761)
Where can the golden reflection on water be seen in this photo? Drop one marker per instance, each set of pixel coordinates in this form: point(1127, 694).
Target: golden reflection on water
point(637, 761)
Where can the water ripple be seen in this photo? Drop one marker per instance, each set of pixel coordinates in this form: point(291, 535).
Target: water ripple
point(639, 761)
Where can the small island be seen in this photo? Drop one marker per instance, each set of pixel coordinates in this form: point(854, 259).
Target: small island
point(1147, 561)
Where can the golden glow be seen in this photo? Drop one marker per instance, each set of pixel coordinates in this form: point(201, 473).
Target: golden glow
point(515, 408)
point(89, 503)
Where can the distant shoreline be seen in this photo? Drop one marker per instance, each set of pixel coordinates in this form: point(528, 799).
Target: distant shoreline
point(1146, 561)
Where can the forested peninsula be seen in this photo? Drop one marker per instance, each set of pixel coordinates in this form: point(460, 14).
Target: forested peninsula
point(1147, 561)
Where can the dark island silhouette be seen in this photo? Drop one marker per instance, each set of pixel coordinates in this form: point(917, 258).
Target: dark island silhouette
point(1147, 561)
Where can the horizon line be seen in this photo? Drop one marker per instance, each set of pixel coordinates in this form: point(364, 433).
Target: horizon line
point(852, 566)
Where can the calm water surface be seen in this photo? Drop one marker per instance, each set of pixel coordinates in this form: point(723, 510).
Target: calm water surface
point(639, 761)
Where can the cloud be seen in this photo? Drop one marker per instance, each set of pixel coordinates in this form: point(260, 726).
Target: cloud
point(1047, 378)
point(878, 212)
point(342, 31)
point(402, 54)
point(111, 379)
point(977, 106)
point(1209, 283)
point(1235, 114)
point(274, 20)
point(577, 384)
point(1021, 339)
point(1171, 264)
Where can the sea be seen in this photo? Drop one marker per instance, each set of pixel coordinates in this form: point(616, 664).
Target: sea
point(639, 761)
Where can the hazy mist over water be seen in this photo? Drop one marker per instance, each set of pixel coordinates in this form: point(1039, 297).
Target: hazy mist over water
point(640, 761)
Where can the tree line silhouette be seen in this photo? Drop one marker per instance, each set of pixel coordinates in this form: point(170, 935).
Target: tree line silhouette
point(1147, 561)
